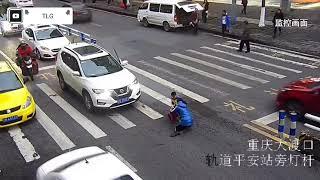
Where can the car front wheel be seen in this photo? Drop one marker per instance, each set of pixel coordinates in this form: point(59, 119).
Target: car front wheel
point(166, 26)
point(145, 22)
point(62, 83)
point(295, 106)
point(88, 102)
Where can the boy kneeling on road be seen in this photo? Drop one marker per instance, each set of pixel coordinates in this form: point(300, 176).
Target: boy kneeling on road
point(180, 108)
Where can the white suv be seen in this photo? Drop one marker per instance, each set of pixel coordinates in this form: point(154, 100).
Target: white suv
point(97, 76)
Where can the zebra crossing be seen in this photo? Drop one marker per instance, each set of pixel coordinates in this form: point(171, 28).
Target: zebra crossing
point(216, 57)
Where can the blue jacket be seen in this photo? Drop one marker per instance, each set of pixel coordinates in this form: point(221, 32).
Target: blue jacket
point(184, 113)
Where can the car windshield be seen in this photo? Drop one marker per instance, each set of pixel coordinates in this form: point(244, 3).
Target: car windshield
point(48, 34)
point(9, 81)
point(100, 66)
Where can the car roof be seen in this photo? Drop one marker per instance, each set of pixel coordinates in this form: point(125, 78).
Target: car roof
point(164, 1)
point(41, 27)
point(4, 66)
point(82, 51)
point(82, 163)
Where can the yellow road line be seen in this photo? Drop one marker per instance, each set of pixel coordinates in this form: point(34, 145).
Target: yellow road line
point(268, 135)
point(271, 129)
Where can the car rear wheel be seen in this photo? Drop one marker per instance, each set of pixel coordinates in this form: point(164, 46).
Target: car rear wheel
point(88, 101)
point(295, 106)
point(145, 22)
point(166, 26)
point(62, 83)
point(37, 53)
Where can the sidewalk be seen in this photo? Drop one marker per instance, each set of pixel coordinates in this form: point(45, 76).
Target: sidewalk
point(302, 39)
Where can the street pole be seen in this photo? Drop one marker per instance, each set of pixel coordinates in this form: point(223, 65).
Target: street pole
point(233, 11)
point(285, 5)
point(262, 14)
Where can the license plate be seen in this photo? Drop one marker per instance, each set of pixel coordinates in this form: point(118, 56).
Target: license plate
point(123, 100)
point(9, 119)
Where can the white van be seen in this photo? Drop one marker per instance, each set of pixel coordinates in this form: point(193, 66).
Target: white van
point(170, 14)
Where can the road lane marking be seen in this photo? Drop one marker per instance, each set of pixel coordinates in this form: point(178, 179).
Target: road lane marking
point(24, 145)
point(203, 73)
point(95, 24)
point(250, 59)
point(237, 107)
point(156, 95)
point(270, 129)
point(121, 120)
point(47, 67)
point(220, 68)
point(215, 90)
point(268, 135)
point(116, 154)
point(53, 130)
point(147, 110)
point(262, 71)
point(289, 53)
point(164, 82)
point(268, 119)
point(273, 57)
point(88, 125)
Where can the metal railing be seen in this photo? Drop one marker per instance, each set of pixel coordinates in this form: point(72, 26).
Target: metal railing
point(312, 118)
point(83, 36)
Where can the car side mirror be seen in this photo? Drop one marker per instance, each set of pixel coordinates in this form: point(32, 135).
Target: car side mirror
point(75, 73)
point(124, 63)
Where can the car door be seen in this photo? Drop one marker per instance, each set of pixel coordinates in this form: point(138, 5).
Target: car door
point(75, 80)
point(166, 14)
point(154, 13)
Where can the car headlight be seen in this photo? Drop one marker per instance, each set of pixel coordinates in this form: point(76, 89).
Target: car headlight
point(44, 48)
point(98, 91)
point(28, 102)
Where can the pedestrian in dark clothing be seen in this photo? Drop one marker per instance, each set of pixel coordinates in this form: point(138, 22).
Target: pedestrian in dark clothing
point(205, 11)
point(245, 37)
point(109, 2)
point(193, 21)
point(277, 21)
point(244, 4)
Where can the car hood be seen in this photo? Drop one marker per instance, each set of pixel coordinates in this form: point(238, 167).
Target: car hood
point(54, 43)
point(9, 99)
point(113, 81)
point(303, 84)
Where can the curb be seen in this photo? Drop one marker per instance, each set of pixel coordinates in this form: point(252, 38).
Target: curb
point(213, 31)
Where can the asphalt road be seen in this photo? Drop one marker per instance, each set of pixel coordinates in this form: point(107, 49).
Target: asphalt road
point(219, 74)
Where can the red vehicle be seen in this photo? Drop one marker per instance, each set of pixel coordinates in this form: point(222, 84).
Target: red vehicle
point(301, 96)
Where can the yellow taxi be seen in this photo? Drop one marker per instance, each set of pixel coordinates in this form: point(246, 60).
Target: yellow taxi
point(16, 103)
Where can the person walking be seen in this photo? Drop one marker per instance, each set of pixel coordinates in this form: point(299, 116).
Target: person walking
point(205, 11)
point(244, 4)
point(278, 18)
point(245, 37)
point(224, 19)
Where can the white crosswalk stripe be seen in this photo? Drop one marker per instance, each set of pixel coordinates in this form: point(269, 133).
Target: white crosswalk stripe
point(156, 95)
point(24, 145)
point(147, 110)
point(251, 68)
point(292, 54)
point(203, 73)
point(155, 78)
point(88, 125)
point(250, 59)
point(220, 68)
point(53, 130)
point(272, 57)
point(121, 120)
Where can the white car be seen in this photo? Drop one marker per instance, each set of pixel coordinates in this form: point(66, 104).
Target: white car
point(22, 3)
point(97, 76)
point(46, 40)
point(90, 163)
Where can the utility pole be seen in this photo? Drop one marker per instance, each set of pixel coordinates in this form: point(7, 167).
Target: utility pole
point(262, 14)
point(233, 11)
point(285, 5)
